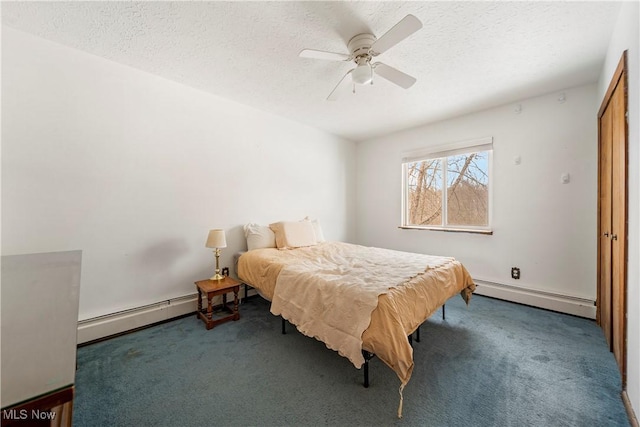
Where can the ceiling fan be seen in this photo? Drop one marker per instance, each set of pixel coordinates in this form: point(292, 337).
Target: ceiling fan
point(363, 48)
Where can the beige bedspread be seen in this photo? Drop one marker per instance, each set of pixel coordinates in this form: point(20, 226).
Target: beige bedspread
point(405, 294)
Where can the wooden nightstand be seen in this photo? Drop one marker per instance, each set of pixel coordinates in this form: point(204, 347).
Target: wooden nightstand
point(211, 288)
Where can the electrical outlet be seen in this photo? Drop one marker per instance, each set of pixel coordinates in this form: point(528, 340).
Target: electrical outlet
point(515, 273)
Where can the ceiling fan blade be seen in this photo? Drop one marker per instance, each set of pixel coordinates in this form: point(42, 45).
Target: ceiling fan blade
point(403, 29)
point(394, 76)
point(321, 54)
point(340, 87)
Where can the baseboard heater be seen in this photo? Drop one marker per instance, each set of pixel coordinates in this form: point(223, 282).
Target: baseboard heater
point(122, 321)
point(569, 304)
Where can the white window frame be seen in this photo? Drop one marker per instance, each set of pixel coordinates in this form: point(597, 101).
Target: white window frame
point(441, 152)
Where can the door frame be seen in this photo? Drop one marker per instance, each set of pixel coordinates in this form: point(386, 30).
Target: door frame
point(619, 77)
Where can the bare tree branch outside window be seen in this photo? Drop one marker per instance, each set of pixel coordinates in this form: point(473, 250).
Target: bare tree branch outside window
point(467, 190)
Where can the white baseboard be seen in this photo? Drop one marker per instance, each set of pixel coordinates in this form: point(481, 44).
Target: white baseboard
point(112, 324)
point(551, 301)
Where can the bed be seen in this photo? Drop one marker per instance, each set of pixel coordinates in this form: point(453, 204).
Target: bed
point(358, 300)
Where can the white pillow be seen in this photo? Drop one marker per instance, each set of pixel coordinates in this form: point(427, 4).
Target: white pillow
point(316, 229)
point(259, 236)
point(293, 234)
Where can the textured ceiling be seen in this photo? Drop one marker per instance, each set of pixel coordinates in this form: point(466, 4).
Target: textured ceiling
point(468, 56)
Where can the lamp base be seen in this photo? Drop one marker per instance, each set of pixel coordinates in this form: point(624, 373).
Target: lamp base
point(217, 276)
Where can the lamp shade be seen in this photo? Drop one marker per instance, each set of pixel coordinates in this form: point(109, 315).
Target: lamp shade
point(216, 239)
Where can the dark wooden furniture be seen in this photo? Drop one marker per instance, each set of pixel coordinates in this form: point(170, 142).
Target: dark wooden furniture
point(51, 410)
point(210, 289)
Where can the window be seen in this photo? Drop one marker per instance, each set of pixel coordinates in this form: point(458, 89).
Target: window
point(449, 188)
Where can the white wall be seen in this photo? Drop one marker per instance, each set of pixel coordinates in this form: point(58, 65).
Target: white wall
point(626, 37)
point(540, 225)
point(134, 170)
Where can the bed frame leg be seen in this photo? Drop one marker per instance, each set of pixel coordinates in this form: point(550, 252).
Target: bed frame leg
point(367, 356)
point(366, 374)
point(418, 330)
point(284, 331)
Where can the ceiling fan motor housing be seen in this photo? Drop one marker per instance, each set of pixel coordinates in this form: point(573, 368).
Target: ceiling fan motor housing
point(359, 45)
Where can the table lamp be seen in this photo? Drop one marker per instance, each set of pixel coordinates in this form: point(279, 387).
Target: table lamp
point(216, 240)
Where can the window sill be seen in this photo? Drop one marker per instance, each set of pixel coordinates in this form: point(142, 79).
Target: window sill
point(448, 229)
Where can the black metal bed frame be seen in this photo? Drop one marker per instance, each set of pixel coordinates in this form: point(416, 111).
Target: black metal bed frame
point(368, 355)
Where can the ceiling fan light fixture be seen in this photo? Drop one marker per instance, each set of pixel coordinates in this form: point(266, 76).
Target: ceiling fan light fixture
point(362, 74)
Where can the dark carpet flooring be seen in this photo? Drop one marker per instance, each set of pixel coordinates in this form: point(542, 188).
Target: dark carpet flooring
point(493, 363)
